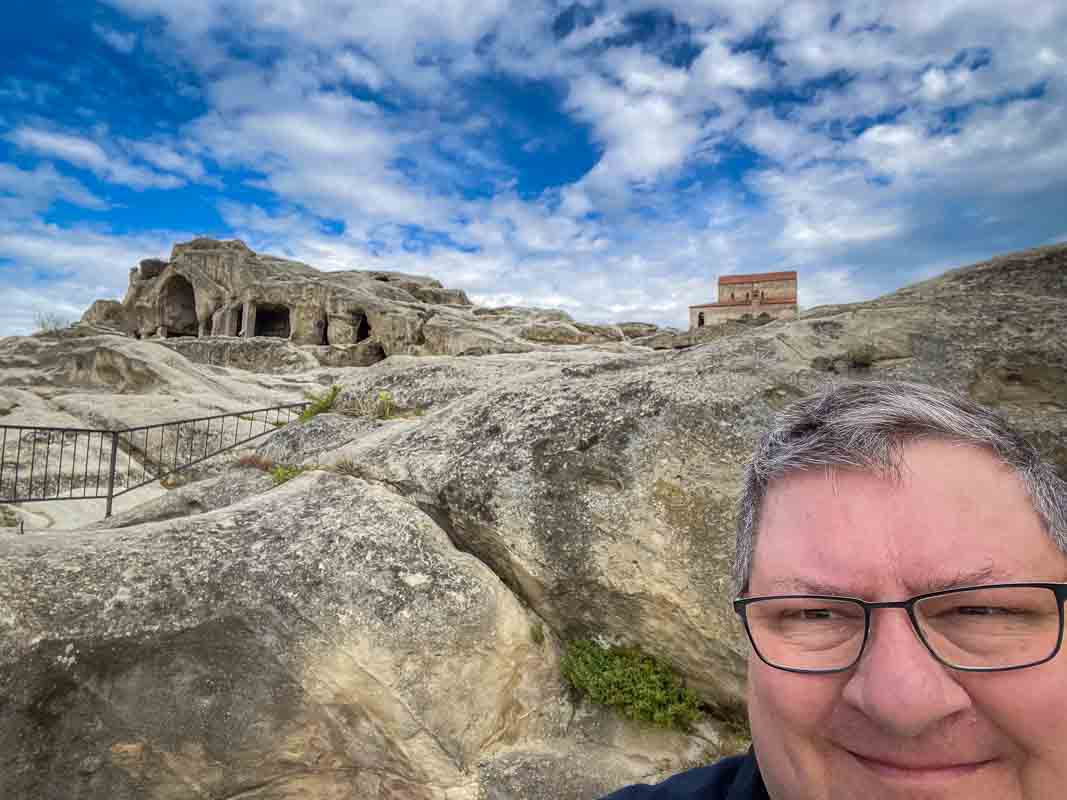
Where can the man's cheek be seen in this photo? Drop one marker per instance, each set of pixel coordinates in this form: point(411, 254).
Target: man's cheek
point(799, 703)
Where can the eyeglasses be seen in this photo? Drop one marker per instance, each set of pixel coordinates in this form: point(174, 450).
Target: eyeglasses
point(976, 629)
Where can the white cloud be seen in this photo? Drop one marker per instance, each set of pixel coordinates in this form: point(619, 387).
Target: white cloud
point(644, 134)
point(938, 84)
point(360, 70)
point(825, 208)
point(719, 67)
point(1003, 149)
point(640, 72)
point(168, 158)
point(123, 42)
point(785, 140)
point(26, 192)
point(88, 154)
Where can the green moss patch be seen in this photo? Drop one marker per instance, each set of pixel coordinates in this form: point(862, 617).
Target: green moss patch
point(631, 682)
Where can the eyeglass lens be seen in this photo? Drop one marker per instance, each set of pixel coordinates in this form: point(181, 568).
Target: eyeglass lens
point(982, 628)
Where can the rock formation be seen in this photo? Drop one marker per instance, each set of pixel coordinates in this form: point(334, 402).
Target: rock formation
point(389, 623)
point(213, 288)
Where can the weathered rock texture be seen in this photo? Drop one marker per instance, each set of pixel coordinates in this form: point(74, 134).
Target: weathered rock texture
point(372, 634)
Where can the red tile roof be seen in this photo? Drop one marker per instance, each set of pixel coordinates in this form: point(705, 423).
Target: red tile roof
point(758, 276)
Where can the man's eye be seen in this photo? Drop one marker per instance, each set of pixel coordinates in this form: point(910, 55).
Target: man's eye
point(987, 611)
point(811, 614)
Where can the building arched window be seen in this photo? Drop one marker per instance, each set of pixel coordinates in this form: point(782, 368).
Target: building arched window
point(700, 320)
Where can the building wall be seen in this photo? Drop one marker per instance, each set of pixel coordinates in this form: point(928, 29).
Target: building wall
point(772, 290)
point(715, 314)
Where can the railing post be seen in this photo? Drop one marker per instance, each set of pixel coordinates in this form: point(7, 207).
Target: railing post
point(111, 471)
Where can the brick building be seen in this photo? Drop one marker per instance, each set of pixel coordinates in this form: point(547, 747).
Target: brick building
point(773, 294)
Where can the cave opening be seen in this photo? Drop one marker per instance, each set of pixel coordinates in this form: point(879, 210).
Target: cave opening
point(272, 320)
point(360, 327)
point(177, 308)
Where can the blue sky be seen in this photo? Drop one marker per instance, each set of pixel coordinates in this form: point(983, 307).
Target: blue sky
point(611, 159)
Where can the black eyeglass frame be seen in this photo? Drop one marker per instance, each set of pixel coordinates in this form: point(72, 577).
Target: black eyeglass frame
point(741, 605)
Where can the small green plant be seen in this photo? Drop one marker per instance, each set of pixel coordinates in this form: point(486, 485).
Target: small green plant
point(537, 633)
point(320, 403)
point(50, 322)
point(346, 466)
point(286, 472)
point(632, 682)
point(375, 406)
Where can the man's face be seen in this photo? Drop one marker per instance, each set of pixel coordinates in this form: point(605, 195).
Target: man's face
point(899, 724)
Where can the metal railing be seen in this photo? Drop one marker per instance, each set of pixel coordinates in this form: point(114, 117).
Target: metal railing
point(39, 464)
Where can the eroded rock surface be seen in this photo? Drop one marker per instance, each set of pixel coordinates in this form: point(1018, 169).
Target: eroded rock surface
point(324, 639)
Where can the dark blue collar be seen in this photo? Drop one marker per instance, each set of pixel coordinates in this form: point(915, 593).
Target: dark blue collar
point(748, 785)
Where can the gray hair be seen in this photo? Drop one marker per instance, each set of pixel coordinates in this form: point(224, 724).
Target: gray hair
point(865, 426)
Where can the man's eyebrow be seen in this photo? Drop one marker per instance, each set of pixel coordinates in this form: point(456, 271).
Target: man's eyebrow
point(961, 578)
point(924, 585)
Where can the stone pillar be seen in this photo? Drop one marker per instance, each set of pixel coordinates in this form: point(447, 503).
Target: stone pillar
point(250, 319)
point(201, 329)
point(161, 331)
point(230, 318)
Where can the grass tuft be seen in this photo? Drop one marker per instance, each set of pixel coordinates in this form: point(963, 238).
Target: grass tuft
point(537, 633)
point(320, 403)
point(346, 466)
point(380, 405)
point(286, 472)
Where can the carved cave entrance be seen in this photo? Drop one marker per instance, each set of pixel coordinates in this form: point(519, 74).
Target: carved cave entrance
point(360, 327)
point(177, 313)
point(272, 321)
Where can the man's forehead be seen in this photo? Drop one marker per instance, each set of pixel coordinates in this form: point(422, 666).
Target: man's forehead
point(934, 580)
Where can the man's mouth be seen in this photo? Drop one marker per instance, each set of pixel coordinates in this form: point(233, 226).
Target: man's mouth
point(919, 769)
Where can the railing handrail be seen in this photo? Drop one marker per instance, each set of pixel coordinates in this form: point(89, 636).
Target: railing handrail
point(66, 429)
point(46, 428)
point(160, 466)
point(205, 419)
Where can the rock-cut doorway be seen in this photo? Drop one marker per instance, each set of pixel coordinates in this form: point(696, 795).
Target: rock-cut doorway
point(177, 311)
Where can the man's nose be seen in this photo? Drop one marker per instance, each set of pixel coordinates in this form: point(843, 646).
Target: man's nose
point(898, 684)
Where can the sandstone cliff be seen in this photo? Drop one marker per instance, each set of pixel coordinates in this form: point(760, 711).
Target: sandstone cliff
point(370, 631)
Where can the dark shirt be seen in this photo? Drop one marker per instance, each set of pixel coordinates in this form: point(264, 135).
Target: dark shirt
point(733, 778)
